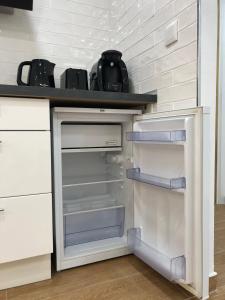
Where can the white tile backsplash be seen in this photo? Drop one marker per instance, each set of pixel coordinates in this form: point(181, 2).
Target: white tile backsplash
point(73, 33)
point(171, 71)
point(70, 33)
point(178, 92)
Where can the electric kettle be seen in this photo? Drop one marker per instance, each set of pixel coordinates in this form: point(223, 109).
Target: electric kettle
point(41, 73)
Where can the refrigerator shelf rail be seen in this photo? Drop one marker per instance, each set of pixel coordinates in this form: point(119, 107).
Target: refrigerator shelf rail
point(157, 136)
point(93, 202)
point(172, 268)
point(167, 183)
point(85, 150)
point(89, 180)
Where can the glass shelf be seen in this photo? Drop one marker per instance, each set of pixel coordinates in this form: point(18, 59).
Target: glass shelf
point(88, 203)
point(85, 150)
point(157, 136)
point(88, 180)
point(172, 268)
point(167, 183)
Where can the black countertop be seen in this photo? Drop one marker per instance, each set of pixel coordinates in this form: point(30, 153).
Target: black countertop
point(63, 97)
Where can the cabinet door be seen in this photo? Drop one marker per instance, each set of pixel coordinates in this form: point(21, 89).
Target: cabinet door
point(25, 227)
point(24, 114)
point(167, 231)
point(25, 161)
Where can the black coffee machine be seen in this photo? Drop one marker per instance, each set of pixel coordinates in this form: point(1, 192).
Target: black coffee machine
point(110, 73)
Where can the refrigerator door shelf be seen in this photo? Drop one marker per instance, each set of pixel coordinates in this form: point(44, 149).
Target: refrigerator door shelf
point(172, 268)
point(167, 183)
point(157, 136)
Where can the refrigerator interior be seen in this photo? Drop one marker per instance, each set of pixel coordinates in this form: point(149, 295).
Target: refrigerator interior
point(97, 202)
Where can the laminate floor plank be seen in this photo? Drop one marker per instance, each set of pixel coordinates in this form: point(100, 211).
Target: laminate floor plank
point(3, 295)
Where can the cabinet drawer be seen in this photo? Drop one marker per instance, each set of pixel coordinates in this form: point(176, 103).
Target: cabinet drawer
point(25, 161)
point(24, 114)
point(25, 227)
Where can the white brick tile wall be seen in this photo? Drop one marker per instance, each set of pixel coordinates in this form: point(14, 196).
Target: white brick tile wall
point(73, 33)
point(187, 16)
point(185, 73)
point(70, 33)
point(153, 67)
point(178, 92)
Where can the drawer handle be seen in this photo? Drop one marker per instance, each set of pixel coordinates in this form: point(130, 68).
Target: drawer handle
point(2, 209)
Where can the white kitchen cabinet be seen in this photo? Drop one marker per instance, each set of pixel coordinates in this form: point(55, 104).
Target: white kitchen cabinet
point(25, 227)
point(25, 191)
point(143, 198)
point(24, 114)
point(25, 159)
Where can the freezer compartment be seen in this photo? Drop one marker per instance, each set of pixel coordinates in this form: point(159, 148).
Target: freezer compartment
point(157, 136)
point(91, 135)
point(167, 183)
point(93, 225)
point(172, 268)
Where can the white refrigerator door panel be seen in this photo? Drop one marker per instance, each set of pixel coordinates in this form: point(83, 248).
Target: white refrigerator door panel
point(157, 162)
point(159, 214)
point(168, 221)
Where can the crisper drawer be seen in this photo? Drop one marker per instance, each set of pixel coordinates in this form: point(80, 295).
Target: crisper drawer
point(87, 226)
point(25, 160)
point(91, 136)
point(24, 114)
point(25, 227)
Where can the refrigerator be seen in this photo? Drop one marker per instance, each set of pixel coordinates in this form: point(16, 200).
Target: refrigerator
point(130, 182)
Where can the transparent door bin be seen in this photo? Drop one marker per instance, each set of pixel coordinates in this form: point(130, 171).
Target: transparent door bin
point(157, 136)
point(167, 183)
point(93, 225)
point(172, 268)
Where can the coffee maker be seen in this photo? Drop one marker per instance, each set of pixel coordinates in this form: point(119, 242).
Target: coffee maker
point(110, 73)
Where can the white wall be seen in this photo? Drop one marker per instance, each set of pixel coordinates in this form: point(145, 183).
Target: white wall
point(68, 33)
point(139, 27)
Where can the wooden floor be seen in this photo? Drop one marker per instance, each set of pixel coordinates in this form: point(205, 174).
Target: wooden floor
point(125, 278)
point(220, 252)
